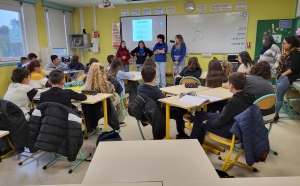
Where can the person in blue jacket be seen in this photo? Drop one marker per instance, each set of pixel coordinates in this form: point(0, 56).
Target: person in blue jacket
point(177, 54)
point(160, 50)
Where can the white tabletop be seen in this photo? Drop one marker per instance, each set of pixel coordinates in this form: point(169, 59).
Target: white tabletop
point(174, 101)
point(257, 181)
point(3, 133)
point(221, 93)
point(92, 99)
point(114, 184)
point(151, 160)
point(296, 84)
point(176, 90)
point(138, 76)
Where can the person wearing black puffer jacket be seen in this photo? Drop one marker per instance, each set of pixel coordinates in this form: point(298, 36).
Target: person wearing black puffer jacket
point(140, 54)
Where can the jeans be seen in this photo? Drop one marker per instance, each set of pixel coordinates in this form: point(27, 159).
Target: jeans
point(178, 68)
point(161, 73)
point(139, 67)
point(126, 68)
point(282, 86)
point(199, 130)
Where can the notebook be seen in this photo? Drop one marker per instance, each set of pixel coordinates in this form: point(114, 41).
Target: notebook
point(198, 100)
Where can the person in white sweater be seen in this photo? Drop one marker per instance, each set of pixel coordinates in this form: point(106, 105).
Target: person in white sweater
point(246, 62)
point(270, 52)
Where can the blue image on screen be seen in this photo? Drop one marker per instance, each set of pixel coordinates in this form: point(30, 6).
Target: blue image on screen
point(142, 30)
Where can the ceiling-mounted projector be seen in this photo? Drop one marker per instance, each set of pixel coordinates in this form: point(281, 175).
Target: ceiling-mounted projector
point(106, 4)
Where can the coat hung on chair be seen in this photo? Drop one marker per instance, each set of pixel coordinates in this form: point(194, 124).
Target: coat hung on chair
point(12, 119)
point(55, 128)
point(249, 127)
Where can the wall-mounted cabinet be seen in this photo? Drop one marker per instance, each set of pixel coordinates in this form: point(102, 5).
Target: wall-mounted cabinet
point(80, 40)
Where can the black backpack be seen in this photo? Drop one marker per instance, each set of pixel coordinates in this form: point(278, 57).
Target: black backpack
point(109, 136)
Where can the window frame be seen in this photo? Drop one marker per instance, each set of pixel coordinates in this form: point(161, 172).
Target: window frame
point(12, 6)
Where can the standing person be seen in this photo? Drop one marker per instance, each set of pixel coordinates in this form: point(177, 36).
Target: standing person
point(160, 50)
point(288, 70)
point(124, 55)
point(177, 54)
point(270, 52)
point(140, 54)
point(246, 62)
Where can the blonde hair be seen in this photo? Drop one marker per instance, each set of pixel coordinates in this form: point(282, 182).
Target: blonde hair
point(96, 79)
point(180, 38)
point(227, 68)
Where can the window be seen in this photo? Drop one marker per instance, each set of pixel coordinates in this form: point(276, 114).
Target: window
point(59, 26)
point(11, 39)
point(18, 30)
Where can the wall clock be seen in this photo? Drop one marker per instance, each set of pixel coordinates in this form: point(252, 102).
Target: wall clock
point(189, 6)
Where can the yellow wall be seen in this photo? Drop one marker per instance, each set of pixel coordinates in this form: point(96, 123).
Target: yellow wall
point(258, 10)
point(5, 79)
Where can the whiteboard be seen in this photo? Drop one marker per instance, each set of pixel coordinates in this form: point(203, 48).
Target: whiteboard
point(223, 32)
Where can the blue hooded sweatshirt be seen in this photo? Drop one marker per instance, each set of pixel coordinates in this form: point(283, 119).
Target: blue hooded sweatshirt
point(178, 52)
point(160, 57)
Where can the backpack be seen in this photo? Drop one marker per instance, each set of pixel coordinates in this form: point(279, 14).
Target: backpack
point(108, 136)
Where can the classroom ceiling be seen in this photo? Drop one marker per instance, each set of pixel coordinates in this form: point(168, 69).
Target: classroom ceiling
point(87, 3)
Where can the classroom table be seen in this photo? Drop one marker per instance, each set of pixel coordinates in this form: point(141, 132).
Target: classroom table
point(220, 93)
point(3, 133)
point(147, 161)
point(257, 181)
point(92, 99)
point(296, 85)
point(112, 184)
point(137, 76)
point(177, 89)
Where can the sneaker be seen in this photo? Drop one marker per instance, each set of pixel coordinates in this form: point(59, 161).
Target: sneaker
point(182, 136)
point(189, 116)
point(276, 118)
point(122, 124)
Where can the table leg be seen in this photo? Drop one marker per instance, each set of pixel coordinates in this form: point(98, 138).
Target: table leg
point(168, 121)
point(105, 115)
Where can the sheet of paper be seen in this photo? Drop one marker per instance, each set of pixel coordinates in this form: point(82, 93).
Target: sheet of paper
point(194, 100)
point(210, 98)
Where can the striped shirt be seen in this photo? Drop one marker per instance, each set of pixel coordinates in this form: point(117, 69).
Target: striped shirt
point(272, 56)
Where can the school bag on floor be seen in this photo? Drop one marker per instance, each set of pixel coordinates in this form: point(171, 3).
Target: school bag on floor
point(109, 136)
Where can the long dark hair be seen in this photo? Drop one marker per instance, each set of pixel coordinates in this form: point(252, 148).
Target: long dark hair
point(215, 75)
point(115, 66)
point(31, 66)
point(246, 59)
point(141, 41)
point(74, 59)
point(120, 47)
point(193, 64)
point(269, 40)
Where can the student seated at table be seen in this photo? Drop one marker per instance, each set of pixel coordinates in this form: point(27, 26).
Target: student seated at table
point(55, 63)
point(152, 91)
point(150, 62)
point(116, 71)
point(32, 56)
point(75, 63)
point(109, 58)
point(258, 83)
point(23, 61)
point(96, 80)
point(227, 68)
point(246, 62)
point(87, 67)
point(193, 69)
point(37, 78)
point(58, 95)
point(220, 124)
point(19, 92)
point(215, 78)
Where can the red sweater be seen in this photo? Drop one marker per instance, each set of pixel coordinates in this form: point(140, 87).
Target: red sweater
point(124, 52)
